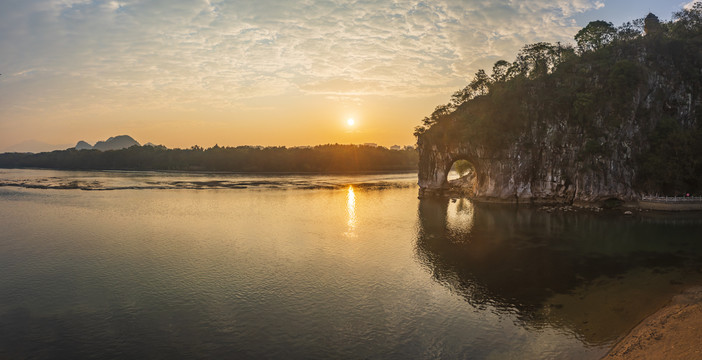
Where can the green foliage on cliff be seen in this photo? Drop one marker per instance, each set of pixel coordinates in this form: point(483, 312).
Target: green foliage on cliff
point(618, 83)
point(323, 158)
point(462, 167)
point(673, 164)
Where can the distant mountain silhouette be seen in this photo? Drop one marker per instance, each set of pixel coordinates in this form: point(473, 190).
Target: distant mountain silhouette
point(113, 143)
point(34, 146)
point(116, 143)
point(82, 145)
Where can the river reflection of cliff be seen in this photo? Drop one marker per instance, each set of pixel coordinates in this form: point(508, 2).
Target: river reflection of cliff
point(595, 275)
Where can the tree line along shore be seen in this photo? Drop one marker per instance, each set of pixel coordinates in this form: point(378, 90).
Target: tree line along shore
point(331, 158)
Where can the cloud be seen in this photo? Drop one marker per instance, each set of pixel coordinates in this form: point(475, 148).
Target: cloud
point(218, 53)
point(689, 5)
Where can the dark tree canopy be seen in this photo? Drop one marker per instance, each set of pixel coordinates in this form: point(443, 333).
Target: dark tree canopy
point(595, 35)
point(500, 71)
point(321, 159)
point(535, 60)
point(688, 22)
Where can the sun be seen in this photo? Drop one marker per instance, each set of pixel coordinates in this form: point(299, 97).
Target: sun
point(350, 122)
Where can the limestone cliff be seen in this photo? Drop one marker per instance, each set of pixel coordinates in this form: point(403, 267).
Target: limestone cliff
point(613, 123)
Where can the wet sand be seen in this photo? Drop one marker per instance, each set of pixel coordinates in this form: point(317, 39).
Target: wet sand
point(673, 332)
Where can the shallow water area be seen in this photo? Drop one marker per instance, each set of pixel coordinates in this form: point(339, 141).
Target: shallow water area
point(165, 180)
point(318, 267)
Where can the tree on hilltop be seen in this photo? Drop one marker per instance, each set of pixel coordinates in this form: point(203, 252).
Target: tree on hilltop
point(595, 35)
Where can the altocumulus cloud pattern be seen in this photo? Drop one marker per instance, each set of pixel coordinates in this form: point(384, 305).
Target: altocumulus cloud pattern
point(170, 53)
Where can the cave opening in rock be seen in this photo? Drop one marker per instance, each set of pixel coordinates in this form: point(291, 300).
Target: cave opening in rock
point(462, 177)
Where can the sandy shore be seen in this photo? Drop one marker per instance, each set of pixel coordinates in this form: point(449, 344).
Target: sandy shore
point(673, 332)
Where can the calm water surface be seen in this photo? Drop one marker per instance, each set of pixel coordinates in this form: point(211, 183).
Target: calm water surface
point(154, 265)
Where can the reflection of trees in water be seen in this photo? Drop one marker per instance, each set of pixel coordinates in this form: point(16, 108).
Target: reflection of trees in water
point(519, 260)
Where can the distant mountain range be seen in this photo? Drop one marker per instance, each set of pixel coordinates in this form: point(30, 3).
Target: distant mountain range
point(113, 143)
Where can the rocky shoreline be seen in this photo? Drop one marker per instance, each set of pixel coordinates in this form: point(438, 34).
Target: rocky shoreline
point(673, 332)
point(551, 205)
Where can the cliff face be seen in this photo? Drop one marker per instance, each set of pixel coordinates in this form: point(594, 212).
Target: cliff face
point(545, 173)
point(563, 151)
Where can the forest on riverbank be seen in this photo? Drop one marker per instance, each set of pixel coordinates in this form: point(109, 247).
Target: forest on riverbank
point(331, 158)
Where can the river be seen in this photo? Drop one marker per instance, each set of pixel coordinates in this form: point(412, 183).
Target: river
point(179, 265)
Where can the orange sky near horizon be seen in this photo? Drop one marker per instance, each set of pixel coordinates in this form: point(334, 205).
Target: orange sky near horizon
point(382, 120)
point(270, 72)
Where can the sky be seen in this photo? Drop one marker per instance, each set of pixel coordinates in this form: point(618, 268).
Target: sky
point(264, 72)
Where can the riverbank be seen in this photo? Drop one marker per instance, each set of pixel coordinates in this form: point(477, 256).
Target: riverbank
point(673, 332)
point(551, 205)
point(671, 203)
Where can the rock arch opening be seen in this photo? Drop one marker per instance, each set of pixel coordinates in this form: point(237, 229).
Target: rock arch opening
point(437, 172)
point(461, 178)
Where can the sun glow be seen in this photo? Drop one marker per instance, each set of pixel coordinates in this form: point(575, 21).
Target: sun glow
point(351, 211)
point(350, 122)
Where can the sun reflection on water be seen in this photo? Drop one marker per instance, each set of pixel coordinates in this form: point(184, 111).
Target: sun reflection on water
point(460, 216)
point(351, 211)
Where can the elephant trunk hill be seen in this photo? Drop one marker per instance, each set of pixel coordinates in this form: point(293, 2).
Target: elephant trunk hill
point(616, 117)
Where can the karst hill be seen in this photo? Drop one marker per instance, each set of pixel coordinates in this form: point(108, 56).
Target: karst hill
point(618, 115)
